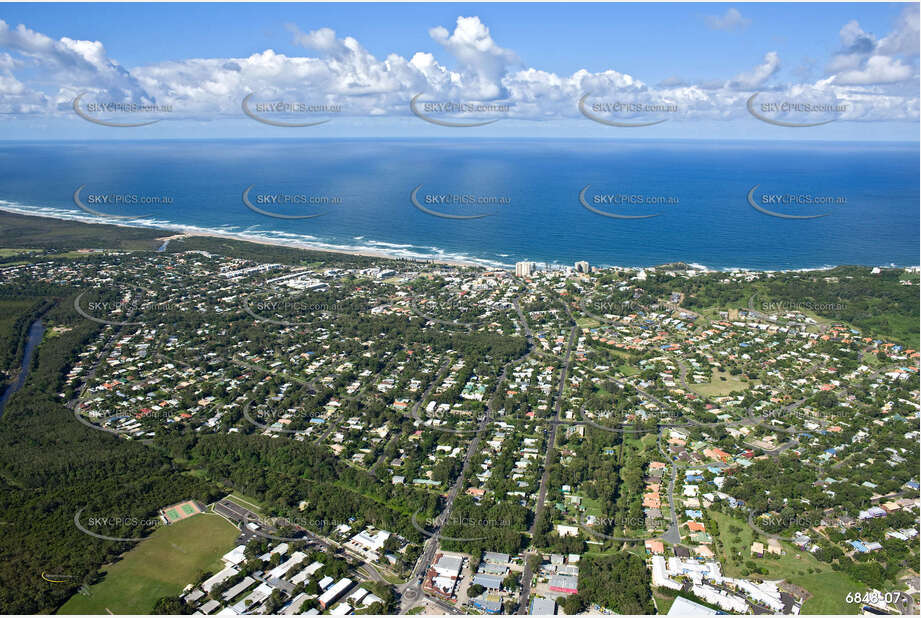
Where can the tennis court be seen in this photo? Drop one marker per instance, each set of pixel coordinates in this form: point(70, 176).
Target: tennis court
point(181, 511)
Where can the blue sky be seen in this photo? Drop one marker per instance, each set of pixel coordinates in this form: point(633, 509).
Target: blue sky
point(706, 59)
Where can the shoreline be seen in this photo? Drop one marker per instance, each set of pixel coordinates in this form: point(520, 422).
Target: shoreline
point(311, 247)
point(175, 232)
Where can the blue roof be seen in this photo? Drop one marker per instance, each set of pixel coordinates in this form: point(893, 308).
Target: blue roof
point(859, 546)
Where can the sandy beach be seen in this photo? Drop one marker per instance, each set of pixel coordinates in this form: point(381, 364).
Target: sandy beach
point(258, 240)
point(315, 247)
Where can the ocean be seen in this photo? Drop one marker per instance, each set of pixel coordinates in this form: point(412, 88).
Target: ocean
point(525, 195)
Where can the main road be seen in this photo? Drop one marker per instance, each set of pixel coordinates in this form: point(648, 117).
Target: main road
point(526, 574)
point(411, 592)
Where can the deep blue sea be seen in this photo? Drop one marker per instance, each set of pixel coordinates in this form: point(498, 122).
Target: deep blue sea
point(530, 188)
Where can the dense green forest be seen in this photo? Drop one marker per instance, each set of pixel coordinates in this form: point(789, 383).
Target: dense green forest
point(282, 473)
point(618, 581)
point(51, 466)
point(879, 304)
point(53, 234)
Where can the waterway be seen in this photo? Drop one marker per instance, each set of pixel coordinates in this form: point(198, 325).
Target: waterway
point(36, 331)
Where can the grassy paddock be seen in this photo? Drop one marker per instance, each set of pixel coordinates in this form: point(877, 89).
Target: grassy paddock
point(163, 565)
point(718, 388)
point(826, 586)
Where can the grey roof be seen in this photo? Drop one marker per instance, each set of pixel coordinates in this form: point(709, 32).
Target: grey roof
point(543, 607)
point(493, 582)
point(685, 607)
point(233, 592)
point(496, 557)
point(450, 563)
point(568, 569)
point(209, 607)
point(490, 605)
point(564, 581)
point(493, 569)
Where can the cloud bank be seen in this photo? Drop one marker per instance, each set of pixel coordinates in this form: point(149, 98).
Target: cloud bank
point(876, 78)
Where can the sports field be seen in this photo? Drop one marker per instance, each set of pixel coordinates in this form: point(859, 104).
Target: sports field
point(161, 566)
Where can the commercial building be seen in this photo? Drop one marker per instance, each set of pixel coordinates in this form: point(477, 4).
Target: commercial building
point(542, 607)
point(334, 592)
point(525, 269)
point(686, 607)
point(449, 566)
point(564, 583)
point(490, 582)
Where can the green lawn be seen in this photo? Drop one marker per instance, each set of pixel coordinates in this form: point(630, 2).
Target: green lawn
point(827, 587)
point(592, 506)
point(163, 565)
point(663, 602)
point(718, 387)
point(6, 252)
point(627, 370)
